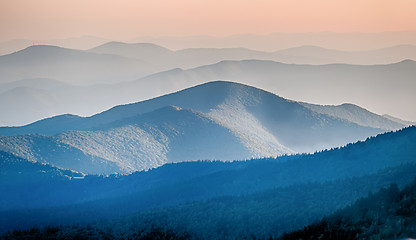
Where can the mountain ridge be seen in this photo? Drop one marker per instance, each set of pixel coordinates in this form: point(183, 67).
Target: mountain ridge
point(187, 125)
point(303, 54)
point(358, 115)
point(71, 66)
point(297, 82)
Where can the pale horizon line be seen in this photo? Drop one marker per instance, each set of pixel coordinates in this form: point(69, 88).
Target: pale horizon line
point(220, 36)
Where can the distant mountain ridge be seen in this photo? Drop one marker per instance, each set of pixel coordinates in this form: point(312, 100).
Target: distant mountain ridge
point(37, 100)
point(71, 66)
point(194, 57)
point(352, 41)
point(213, 121)
point(300, 82)
point(81, 43)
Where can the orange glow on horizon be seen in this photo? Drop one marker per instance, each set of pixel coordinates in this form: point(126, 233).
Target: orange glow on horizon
point(126, 19)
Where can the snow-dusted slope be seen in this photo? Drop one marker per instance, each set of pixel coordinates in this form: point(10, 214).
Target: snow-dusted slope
point(232, 113)
point(214, 121)
point(130, 147)
point(166, 135)
point(263, 119)
point(49, 150)
point(169, 134)
point(254, 114)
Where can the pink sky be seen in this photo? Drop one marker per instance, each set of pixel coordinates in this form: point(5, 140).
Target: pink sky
point(127, 19)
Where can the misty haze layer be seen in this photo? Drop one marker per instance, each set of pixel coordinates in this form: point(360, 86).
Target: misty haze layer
point(348, 41)
point(53, 76)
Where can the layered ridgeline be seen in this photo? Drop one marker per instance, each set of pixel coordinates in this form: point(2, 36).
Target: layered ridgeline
point(380, 88)
point(71, 66)
point(214, 121)
point(307, 54)
point(207, 200)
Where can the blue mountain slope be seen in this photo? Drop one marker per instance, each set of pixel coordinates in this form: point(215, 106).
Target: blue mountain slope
point(26, 183)
point(152, 139)
point(355, 160)
point(266, 124)
point(49, 150)
point(358, 168)
point(197, 98)
point(249, 111)
point(146, 141)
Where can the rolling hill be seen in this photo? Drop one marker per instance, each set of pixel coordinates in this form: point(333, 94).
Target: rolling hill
point(134, 144)
point(48, 150)
point(336, 83)
point(214, 121)
point(70, 66)
point(387, 214)
point(374, 87)
point(262, 197)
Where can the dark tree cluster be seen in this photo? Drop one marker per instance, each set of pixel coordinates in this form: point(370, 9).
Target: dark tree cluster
point(89, 232)
point(259, 198)
point(388, 214)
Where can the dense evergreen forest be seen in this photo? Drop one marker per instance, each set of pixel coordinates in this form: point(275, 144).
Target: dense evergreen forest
point(387, 214)
point(77, 232)
point(261, 198)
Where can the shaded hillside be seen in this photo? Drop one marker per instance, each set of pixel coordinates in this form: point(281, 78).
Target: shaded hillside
point(388, 214)
point(27, 183)
point(266, 214)
point(261, 215)
point(345, 174)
